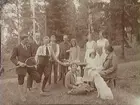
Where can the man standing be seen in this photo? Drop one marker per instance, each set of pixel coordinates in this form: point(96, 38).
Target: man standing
point(53, 63)
point(34, 43)
point(19, 55)
point(42, 57)
point(64, 46)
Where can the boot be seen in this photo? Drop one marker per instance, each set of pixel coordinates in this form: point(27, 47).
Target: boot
point(21, 93)
point(40, 89)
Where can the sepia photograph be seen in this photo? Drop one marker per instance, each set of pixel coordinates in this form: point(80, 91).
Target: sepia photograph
point(84, 52)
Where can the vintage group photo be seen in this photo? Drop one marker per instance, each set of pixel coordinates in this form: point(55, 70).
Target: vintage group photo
point(70, 52)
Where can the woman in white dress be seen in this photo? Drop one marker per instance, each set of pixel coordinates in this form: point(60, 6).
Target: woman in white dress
point(102, 42)
point(90, 47)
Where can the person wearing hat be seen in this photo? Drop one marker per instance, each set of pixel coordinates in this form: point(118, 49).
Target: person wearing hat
point(19, 55)
point(53, 63)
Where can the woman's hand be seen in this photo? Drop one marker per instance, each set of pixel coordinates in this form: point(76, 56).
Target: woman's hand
point(102, 73)
point(74, 87)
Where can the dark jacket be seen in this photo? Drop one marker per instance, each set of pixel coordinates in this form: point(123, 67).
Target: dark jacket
point(21, 54)
point(34, 47)
point(64, 46)
point(110, 65)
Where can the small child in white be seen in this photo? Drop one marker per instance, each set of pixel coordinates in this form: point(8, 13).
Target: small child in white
point(104, 92)
point(91, 65)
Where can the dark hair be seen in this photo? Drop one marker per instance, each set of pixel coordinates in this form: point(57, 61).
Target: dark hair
point(73, 63)
point(23, 37)
point(73, 40)
point(53, 36)
point(109, 48)
point(93, 52)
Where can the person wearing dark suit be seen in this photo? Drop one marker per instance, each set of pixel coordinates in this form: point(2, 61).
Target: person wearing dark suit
point(42, 58)
point(19, 55)
point(34, 43)
point(110, 64)
point(53, 63)
point(64, 46)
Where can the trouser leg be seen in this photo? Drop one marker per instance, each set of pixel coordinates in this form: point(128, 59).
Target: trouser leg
point(47, 71)
point(64, 71)
point(29, 81)
point(55, 72)
point(60, 72)
point(50, 67)
point(33, 75)
point(21, 87)
point(40, 69)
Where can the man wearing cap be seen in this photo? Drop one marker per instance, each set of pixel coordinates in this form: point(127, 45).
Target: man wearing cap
point(53, 63)
point(64, 46)
point(43, 67)
point(19, 55)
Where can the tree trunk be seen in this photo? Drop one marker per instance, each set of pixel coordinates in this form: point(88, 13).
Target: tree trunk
point(123, 32)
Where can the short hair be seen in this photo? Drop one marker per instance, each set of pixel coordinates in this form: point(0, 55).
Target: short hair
point(73, 63)
point(73, 40)
point(109, 48)
point(46, 37)
point(53, 36)
point(23, 37)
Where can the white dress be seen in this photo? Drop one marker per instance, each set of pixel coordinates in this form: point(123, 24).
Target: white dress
point(90, 46)
point(91, 66)
point(94, 64)
point(102, 43)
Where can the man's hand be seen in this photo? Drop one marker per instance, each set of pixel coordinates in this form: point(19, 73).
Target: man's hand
point(21, 64)
point(74, 87)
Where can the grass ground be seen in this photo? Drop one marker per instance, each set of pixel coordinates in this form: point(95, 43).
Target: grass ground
point(127, 91)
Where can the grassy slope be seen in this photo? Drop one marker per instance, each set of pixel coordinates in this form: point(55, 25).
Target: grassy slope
point(126, 92)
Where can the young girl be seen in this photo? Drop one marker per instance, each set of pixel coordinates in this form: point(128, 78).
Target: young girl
point(91, 65)
point(90, 46)
point(74, 51)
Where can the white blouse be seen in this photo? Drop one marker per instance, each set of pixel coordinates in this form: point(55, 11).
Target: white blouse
point(102, 43)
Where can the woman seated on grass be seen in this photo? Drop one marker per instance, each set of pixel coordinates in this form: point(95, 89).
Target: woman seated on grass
point(72, 84)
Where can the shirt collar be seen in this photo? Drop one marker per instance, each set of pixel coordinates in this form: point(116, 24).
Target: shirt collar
point(37, 42)
point(23, 45)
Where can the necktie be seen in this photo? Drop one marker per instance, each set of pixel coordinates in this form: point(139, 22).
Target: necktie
point(47, 52)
